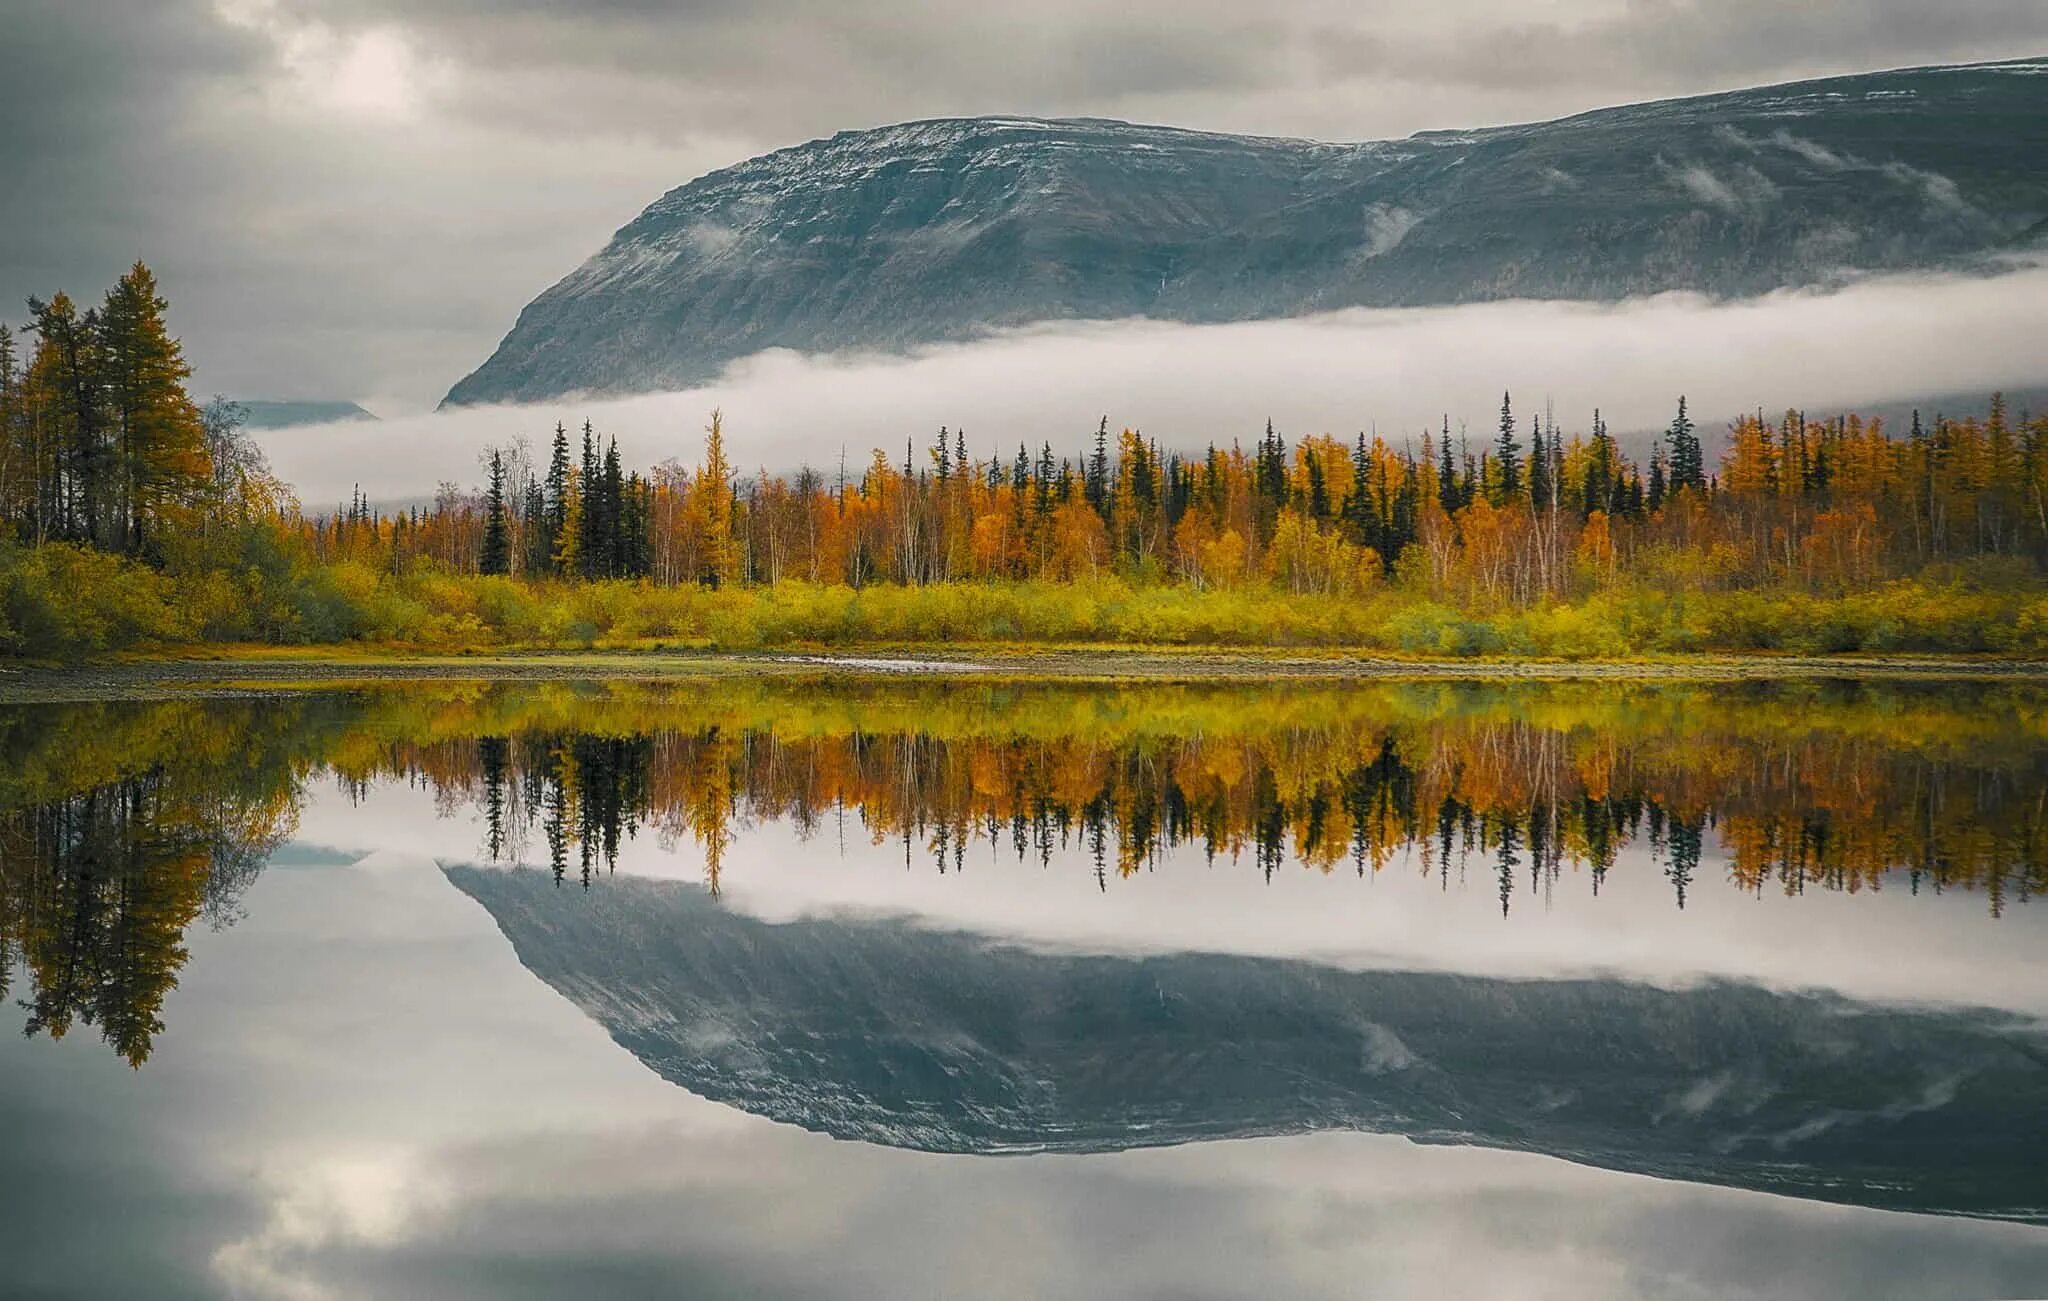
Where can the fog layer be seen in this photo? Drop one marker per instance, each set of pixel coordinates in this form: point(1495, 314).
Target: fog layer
point(1395, 372)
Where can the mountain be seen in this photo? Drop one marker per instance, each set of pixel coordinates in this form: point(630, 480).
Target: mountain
point(944, 229)
point(265, 414)
point(882, 1031)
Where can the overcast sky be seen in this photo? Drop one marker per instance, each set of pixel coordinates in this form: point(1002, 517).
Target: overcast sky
point(353, 198)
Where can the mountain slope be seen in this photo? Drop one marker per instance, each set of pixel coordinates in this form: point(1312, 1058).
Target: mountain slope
point(881, 1031)
point(267, 414)
point(941, 230)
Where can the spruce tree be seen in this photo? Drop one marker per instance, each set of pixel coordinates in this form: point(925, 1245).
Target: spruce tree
point(497, 549)
point(591, 533)
point(613, 557)
point(1358, 507)
point(1407, 510)
point(1447, 494)
point(1508, 453)
point(1599, 490)
point(1688, 464)
point(1270, 472)
point(556, 517)
point(1539, 468)
point(1095, 485)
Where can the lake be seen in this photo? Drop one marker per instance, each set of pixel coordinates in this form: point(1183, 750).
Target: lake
point(820, 983)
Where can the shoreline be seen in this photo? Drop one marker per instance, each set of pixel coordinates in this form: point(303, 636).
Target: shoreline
point(239, 671)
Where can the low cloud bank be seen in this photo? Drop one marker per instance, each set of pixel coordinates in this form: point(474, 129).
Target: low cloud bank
point(1883, 340)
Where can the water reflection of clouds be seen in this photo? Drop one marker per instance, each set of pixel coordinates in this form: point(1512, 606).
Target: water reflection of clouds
point(365, 1094)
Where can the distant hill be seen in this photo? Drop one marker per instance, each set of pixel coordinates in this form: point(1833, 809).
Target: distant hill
point(944, 229)
point(879, 1030)
point(281, 415)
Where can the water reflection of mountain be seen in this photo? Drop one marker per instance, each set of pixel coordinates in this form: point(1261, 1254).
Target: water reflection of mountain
point(880, 1031)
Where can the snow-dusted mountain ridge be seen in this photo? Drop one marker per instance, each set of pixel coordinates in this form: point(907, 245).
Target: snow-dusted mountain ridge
point(938, 230)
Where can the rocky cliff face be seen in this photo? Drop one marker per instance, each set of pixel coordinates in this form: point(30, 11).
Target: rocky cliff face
point(885, 1032)
point(942, 230)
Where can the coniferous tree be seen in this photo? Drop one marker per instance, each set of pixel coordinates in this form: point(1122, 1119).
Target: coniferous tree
point(157, 444)
point(1598, 490)
point(1096, 480)
point(1447, 492)
point(1508, 453)
point(569, 541)
point(591, 536)
point(1270, 476)
point(1318, 495)
point(1359, 507)
point(556, 517)
point(496, 556)
point(1539, 468)
point(1688, 464)
point(612, 560)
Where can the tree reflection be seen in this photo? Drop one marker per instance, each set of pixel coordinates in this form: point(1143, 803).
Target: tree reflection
point(1535, 793)
point(99, 882)
point(123, 823)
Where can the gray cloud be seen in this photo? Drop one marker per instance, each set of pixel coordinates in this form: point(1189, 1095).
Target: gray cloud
point(353, 198)
point(1689, 44)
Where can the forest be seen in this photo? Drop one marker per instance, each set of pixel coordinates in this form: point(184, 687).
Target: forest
point(131, 516)
point(124, 824)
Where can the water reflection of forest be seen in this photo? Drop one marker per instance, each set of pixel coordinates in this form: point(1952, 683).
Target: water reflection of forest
point(121, 824)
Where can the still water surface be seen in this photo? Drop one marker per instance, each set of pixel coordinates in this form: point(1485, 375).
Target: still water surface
point(858, 988)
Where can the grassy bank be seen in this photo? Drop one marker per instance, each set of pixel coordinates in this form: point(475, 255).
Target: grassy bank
point(69, 603)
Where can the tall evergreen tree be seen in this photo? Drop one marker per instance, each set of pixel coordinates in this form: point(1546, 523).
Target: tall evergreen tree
point(1539, 467)
point(1447, 494)
point(1600, 488)
point(1095, 482)
point(1688, 462)
point(555, 520)
point(612, 562)
point(496, 556)
point(1359, 507)
point(1507, 453)
point(591, 537)
point(1269, 476)
point(1318, 502)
